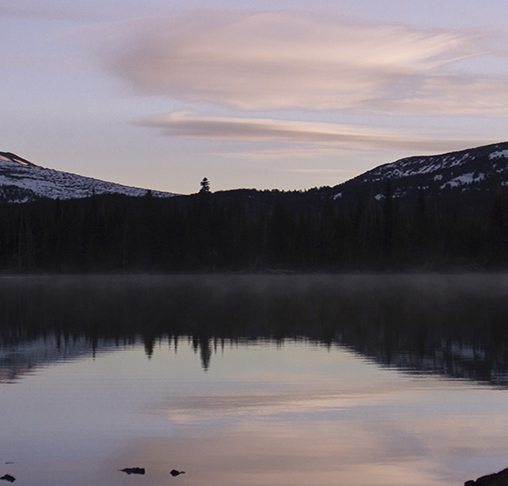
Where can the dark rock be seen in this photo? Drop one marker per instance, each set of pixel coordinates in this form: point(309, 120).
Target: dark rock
point(8, 477)
point(497, 479)
point(175, 473)
point(133, 470)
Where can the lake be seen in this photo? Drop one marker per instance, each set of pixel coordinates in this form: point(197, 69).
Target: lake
point(254, 380)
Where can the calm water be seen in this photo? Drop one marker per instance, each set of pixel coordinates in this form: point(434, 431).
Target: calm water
point(267, 380)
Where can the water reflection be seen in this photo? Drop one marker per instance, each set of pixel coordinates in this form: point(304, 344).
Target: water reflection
point(452, 325)
point(262, 415)
point(292, 394)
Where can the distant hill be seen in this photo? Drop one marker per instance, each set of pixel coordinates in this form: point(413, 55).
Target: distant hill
point(23, 181)
point(476, 173)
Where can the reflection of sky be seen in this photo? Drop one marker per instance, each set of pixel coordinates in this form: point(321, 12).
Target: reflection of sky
point(262, 414)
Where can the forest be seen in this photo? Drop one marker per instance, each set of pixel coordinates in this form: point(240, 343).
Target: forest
point(252, 231)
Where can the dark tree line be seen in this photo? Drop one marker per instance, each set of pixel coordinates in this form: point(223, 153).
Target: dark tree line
point(251, 231)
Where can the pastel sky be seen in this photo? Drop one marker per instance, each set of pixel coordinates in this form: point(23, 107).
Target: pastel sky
point(287, 94)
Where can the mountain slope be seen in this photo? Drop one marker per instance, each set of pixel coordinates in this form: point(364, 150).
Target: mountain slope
point(23, 181)
point(476, 172)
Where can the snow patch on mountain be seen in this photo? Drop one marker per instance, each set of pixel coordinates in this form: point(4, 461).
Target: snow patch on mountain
point(478, 170)
point(23, 181)
point(464, 179)
point(501, 154)
point(13, 161)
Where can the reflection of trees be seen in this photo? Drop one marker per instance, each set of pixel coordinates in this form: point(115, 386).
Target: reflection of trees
point(454, 326)
point(202, 344)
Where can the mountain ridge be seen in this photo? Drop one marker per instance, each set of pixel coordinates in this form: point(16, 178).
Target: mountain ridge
point(23, 181)
point(475, 172)
point(472, 172)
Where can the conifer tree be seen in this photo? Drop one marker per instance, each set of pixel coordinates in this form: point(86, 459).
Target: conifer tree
point(205, 186)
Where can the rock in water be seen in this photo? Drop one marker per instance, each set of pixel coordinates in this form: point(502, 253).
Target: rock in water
point(8, 477)
point(133, 470)
point(175, 473)
point(497, 479)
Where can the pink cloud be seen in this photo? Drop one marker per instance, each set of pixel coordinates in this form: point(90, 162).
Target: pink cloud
point(184, 124)
point(285, 60)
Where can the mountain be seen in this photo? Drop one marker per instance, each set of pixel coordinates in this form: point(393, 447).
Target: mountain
point(476, 173)
point(464, 180)
point(448, 211)
point(23, 181)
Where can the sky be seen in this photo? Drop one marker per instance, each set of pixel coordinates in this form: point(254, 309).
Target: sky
point(287, 94)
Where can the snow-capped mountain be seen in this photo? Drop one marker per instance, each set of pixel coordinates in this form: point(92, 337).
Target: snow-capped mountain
point(23, 181)
point(476, 172)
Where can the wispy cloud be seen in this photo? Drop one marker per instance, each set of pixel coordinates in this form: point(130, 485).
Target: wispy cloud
point(185, 124)
point(286, 60)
